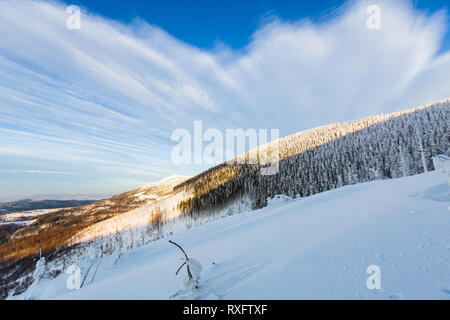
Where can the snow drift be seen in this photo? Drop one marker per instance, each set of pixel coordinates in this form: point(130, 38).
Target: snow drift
point(317, 247)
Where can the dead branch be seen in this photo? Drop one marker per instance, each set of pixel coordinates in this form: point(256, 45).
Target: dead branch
point(176, 273)
point(180, 248)
point(187, 258)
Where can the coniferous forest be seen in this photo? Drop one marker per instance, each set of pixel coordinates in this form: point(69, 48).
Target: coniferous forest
point(328, 157)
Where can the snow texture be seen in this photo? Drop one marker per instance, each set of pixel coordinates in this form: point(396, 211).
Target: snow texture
point(442, 163)
point(318, 247)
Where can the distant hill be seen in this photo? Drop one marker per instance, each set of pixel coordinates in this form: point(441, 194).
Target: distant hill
point(28, 204)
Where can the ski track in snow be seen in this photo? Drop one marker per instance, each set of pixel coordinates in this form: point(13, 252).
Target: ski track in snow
point(311, 248)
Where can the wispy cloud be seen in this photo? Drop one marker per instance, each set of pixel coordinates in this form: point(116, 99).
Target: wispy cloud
point(40, 172)
point(102, 101)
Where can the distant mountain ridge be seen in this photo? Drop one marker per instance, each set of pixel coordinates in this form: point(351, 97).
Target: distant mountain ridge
point(29, 204)
point(57, 196)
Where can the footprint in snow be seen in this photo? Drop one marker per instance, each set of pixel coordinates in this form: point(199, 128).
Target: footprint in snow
point(445, 289)
point(395, 296)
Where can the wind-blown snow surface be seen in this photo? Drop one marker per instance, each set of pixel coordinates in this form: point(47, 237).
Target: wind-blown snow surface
point(315, 247)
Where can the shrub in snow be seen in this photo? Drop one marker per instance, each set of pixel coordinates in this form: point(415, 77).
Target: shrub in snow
point(94, 252)
point(37, 274)
point(117, 255)
point(280, 198)
point(442, 163)
point(192, 276)
point(39, 271)
point(193, 269)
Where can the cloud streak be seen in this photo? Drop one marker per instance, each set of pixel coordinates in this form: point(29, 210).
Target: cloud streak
point(104, 100)
point(41, 172)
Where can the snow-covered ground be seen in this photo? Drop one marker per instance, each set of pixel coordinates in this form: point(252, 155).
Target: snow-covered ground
point(311, 248)
point(159, 194)
point(18, 216)
point(20, 223)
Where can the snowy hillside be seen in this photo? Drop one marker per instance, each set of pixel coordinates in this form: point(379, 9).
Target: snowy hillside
point(156, 196)
point(307, 248)
point(311, 161)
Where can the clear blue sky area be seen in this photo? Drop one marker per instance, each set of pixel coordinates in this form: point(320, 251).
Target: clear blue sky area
point(204, 23)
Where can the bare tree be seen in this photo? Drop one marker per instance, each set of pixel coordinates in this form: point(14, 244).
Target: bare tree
point(191, 278)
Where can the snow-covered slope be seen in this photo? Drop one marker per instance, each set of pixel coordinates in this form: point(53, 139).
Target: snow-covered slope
point(314, 247)
point(159, 194)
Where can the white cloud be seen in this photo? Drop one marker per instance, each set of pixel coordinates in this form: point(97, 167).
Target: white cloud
point(41, 172)
point(105, 99)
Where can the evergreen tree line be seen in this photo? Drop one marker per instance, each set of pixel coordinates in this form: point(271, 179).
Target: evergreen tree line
point(312, 161)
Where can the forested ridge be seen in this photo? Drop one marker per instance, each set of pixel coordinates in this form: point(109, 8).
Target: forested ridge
point(316, 160)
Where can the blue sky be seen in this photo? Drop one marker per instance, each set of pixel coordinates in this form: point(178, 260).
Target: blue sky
point(207, 23)
point(91, 111)
point(204, 23)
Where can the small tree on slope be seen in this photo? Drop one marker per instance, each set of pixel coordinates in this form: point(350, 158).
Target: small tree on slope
point(37, 275)
point(193, 269)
